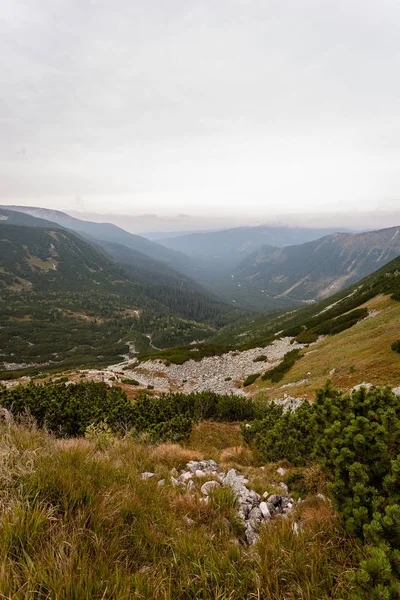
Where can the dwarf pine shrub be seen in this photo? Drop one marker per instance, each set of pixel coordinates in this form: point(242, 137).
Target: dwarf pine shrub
point(356, 439)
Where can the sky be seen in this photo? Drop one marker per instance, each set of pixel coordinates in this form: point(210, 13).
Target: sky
point(195, 113)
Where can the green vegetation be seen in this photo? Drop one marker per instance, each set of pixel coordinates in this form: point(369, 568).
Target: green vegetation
point(328, 317)
point(396, 346)
point(130, 381)
point(63, 303)
point(261, 358)
point(251, 379)
point(68, 410)
point(78, 522)
point(278, 372)
point(356, 439)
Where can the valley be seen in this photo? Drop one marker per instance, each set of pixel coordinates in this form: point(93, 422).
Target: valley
point(138, 395)
point(199, 300)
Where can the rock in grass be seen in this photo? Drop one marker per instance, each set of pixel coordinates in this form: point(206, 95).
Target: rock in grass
point(208, 486)
point(265, 511)
point(284, 487)
point(147, 475)
point(251, 535)
point(255, 515)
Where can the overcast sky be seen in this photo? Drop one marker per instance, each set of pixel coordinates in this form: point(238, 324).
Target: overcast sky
point(225, 108)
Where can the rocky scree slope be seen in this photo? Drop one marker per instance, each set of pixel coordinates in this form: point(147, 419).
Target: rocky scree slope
point(220, 374)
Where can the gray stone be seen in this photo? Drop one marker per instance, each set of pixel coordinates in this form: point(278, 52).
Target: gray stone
point(281, 471)
point(5, 415)
point(193, 465)
point(255, 515)
point(208, 486)
point(161, 483)
point(175, 482)
point(251, 535)
point(147, 475)
point(275, 499)
point(285, 501)
point(284, 487)
point(265, 511)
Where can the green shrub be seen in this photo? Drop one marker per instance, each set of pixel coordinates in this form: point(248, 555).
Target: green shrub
point(396, 346)
point(261, 358)
point(69, 410)
point(130, 381)
point(278, 372)
point(307, 337)
point(251, 379)
point(356, 439)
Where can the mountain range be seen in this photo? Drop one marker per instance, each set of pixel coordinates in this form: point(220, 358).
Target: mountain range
point(256, 268)
point(319, 268)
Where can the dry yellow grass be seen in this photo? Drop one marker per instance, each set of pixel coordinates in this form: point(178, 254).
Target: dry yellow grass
point(237, 454)
point(361, 353)
point(210, 438)
point(174, 455)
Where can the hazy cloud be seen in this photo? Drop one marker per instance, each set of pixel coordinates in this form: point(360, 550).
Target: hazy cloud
point(253, 107)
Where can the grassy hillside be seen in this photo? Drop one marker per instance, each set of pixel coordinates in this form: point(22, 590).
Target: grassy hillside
point(77, 521)
point(361, 353)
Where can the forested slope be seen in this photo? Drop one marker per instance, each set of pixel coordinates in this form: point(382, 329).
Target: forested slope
point(64, 302)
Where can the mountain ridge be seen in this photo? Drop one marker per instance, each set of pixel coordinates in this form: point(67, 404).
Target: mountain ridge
point(317, 269)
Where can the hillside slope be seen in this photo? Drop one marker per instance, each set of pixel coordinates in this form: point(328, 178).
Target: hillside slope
point(360, 354)
point(182, 295)
point(109, 233)
point(320, 268)
point(64, 302)
point(348, 336)
point(13, 217)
